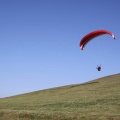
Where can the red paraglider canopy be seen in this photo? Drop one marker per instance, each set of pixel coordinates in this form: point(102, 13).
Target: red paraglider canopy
point(92, 35)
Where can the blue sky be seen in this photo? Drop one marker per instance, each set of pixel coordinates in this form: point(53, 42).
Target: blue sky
point(39, 43)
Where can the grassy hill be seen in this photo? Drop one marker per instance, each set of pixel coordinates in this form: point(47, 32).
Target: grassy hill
point(95, 100)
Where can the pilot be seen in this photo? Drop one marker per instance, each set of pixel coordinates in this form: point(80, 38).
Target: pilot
point(99, 68)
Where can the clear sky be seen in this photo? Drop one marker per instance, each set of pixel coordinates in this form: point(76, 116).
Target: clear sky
point(39, 43)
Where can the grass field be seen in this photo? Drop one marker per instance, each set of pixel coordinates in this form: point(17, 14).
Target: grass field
point(95, 100)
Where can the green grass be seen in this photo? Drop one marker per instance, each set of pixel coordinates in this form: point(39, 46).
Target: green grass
point(95, 100)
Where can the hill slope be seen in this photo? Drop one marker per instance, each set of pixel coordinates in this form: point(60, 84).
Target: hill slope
point(94, 100)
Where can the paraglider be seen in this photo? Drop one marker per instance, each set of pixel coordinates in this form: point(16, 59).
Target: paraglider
point(87, 38)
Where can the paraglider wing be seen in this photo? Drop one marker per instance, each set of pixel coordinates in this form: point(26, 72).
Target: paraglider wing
point(92, 35)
